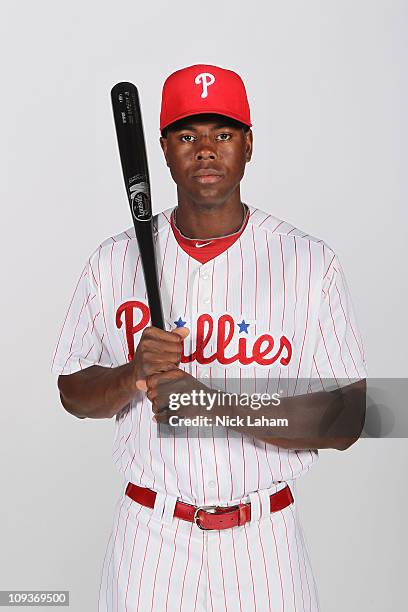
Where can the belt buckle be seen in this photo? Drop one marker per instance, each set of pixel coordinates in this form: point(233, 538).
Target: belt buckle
point(210, 509)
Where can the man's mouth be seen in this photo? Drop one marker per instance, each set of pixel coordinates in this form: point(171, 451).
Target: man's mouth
point(208, 178)
point(207, 175)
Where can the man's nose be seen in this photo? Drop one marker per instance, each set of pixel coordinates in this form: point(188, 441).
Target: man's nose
point(206, 150)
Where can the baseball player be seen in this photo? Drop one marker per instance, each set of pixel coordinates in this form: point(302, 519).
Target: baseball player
point(206, 521)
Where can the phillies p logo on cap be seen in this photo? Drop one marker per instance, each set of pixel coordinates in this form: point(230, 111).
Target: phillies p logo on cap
point(203, 88)
point(206, 79)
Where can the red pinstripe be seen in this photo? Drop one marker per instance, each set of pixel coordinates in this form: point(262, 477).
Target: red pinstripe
point(264, 562)
point(337, 338)
point(298, 556)
point(250, 565)
point(111, 273)
point(123, 269)
point(121, 558)
point(172, 563)
point(275, 228)
point(279, 569)
point(243, 457)
point(307, 318)
point(328, 267)
point(113, 548)
point(212, 285)
point(134, 278)
point(131, 559)
point(222, 571)
point(327, 352)
point(185, 571)
point(77, 323)
point(92, 272)
point(201, 463)
point(209, 586)
point(284, 284)
point(350, 324)
point(73, 337)
point(236, 569)
point(101, 296)
point(86, 354)
point(83, 336)
point(296, 293)
point(174, 282)
point(318, 373)
point(267, 460)
point(199, 576)
point(267, 217)
point(256, 277)
point(94, 319)
point(140, 418)
point(242, 270)
point(164, 256)
point(188, 270)
point(213, 441)
point(143, 563)
point(226, 292)
point(189, 465)
point(304, 562)
point(161, 455)
point(175, 467)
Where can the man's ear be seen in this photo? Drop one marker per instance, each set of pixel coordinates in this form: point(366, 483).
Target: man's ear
point(163, 144)
point(248, 144)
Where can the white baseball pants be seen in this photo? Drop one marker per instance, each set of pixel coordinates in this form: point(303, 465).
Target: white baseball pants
point(157, 563)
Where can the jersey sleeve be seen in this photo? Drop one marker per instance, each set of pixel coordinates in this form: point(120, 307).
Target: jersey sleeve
point(338, 358)
point(82, 340)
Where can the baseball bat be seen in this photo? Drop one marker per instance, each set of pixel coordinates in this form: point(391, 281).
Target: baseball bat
point(132, 149)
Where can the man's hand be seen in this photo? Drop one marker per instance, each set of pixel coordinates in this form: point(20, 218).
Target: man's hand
point(160, 386)
point(157, 351)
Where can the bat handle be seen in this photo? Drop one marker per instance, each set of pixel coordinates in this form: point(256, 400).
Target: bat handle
point(146, 246)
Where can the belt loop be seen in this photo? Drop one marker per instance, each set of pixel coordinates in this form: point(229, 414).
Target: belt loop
point(255, 505)
point(265, 503)
point(168, 512)
point(159, 503)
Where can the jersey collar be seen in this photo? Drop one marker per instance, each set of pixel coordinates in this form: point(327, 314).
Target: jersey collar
point(205, 249)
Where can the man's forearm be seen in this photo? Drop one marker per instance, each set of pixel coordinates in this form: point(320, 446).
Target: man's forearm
point(97, 392)
point(316, 420)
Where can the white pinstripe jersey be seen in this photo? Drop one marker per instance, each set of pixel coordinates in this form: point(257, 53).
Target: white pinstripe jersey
point(299, 328)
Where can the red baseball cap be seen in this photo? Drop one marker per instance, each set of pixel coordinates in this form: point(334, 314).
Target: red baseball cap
point(203, 88)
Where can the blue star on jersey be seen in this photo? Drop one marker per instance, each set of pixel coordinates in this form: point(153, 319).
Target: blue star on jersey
point(243, 327)
point(179, 322)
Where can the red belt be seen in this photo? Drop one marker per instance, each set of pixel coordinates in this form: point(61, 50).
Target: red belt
point(210, 517)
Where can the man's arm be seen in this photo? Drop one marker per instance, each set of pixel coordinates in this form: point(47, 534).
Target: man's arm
point(326, 419)
point(97, 392)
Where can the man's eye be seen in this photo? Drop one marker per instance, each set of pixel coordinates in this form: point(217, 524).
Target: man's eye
point(224, 136)
point(187, 138)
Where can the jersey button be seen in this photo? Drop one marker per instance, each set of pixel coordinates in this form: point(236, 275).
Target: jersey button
point(211, 483)
point(206, 300)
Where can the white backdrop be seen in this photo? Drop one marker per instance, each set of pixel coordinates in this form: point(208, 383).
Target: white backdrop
point(325, 83)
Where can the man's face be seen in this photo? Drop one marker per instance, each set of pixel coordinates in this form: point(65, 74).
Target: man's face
point(207, 155)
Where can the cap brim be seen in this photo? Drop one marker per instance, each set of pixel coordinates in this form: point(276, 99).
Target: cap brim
point(212, 111)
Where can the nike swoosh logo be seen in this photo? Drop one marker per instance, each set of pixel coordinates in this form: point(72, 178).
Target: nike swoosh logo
point(202, 245)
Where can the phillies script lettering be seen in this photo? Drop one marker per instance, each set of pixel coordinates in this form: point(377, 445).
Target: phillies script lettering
point(261, 352)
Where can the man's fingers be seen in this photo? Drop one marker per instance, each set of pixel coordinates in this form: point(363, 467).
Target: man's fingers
point(141, 385)
point(164, 377)
point(156, 372)
point(165, 336)
point(181, 331)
